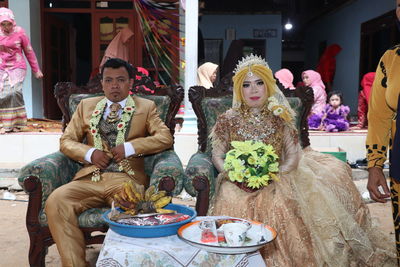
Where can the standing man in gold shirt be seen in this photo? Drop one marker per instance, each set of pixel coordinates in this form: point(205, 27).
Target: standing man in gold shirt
point(106, 134)
point(383, 121)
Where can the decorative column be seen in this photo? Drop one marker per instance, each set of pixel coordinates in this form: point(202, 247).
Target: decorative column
point(190, 77)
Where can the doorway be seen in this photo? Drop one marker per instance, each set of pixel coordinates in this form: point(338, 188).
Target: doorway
point(67, 56)
point(377, 35)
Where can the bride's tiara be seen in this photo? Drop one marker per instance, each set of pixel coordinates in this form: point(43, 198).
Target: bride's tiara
point(248, 61)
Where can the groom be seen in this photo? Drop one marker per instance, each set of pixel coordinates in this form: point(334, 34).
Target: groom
point(105, 134)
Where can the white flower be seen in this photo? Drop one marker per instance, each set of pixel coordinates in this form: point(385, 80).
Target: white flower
point(270, 105)
point(272, 102)
point(278, 111)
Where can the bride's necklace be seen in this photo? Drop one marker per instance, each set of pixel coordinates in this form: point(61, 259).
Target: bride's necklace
point(256, 125)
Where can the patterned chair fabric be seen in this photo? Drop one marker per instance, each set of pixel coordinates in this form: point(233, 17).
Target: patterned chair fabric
point(207, 105)
point(42, 176)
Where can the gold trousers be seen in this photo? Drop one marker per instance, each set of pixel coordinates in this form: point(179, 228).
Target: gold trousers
point(68, 201)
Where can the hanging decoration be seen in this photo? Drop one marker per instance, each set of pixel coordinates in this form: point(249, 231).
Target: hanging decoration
point(159, 22)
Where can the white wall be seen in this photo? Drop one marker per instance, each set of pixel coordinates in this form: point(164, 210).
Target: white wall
point(27, 15)
point(344, 28)
point(214, 26)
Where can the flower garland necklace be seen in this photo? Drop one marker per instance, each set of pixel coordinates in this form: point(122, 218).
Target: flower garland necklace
point(127, 113)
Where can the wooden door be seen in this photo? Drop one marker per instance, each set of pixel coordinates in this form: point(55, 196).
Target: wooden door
point(3, 3)
point(57, 65)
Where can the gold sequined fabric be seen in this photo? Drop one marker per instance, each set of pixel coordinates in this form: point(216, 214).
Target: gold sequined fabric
point(317, 211)
point(242, 125)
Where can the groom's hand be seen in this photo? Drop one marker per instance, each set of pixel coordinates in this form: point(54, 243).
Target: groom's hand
point(118, 152)
point(100, 159)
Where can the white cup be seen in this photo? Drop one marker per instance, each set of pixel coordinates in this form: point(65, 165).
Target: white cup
point(235, 233)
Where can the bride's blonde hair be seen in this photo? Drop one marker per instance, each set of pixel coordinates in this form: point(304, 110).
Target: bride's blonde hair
point(256, 65)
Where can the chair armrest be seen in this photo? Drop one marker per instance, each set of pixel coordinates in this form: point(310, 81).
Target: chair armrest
point(199, 165)
point(51, 171)
point(166, 171)
point(200, 180)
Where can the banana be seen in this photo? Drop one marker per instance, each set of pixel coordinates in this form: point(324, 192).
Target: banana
point(131, 212)
point(125, 205)
point(165, 211)
point(130, 194)
point(136, 191)
point(149, 192)
point(162, 202)
point(123, 194)
point(140, 189)
point(158, 195)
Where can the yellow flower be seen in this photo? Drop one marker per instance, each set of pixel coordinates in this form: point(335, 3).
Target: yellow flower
point(273, 167)
point(237, 164)
point(251, 160)
point(232, 176)
point(235, 176)
point(257, 182)
point(246, 147)
point(239, 177)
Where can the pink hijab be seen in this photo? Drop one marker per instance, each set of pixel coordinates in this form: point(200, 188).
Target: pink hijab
point(7, 15)
point(118, 47)
point(285, 77)
point(366, 84)
point(318, 89)
point(315, 78)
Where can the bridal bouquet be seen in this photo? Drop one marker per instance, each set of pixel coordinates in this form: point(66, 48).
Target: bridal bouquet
point(251, 162)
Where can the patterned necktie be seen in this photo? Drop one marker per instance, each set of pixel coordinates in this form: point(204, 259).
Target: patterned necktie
point(113, 116)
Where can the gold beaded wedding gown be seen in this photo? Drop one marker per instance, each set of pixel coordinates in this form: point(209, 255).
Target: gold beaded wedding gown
point(317, 211)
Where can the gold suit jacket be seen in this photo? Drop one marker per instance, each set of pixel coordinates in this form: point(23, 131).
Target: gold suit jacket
point(148, 135)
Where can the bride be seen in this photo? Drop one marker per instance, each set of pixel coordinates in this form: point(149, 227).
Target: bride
point(319, 215)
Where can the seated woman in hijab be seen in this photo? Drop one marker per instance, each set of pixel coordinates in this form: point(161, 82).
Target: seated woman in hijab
point(313, 79)
point(285, 78)
point(308, 197)
point(207, 74)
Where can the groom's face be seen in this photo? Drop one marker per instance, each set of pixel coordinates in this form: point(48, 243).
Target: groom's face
point(116, 83)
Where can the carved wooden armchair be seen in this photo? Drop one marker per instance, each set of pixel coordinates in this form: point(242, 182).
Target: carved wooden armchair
point(40, 177)
point(207, 105)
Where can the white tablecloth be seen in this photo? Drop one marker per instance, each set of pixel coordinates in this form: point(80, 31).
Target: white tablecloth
point(168, 251)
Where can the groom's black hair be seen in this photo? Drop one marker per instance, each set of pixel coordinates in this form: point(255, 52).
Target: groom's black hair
point(116, 63)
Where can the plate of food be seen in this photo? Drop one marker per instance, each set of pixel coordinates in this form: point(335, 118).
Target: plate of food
point(227, 235)
point(136, 212)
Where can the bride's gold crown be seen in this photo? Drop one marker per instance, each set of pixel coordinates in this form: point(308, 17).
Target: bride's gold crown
point(248, 61)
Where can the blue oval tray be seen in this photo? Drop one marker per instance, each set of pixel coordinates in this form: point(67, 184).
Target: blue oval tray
point(151, 231)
